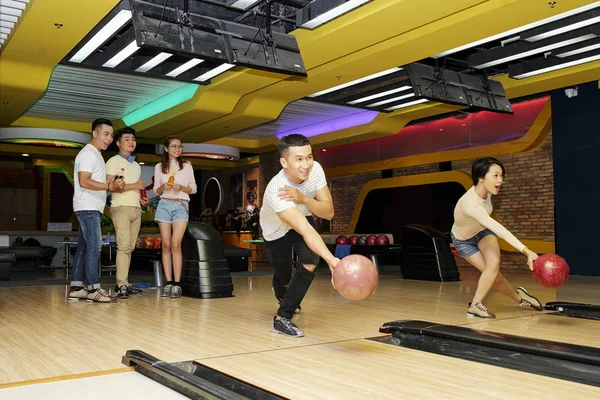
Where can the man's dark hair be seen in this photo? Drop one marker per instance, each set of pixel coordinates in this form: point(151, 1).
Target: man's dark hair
point(100, 121)
point(293, 140)
point(124, 131)
point(481, 167)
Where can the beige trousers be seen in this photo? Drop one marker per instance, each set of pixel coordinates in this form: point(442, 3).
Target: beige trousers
point(127, 221)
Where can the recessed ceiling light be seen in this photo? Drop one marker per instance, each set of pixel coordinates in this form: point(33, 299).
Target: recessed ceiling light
point(356, 81)
point(102, 36)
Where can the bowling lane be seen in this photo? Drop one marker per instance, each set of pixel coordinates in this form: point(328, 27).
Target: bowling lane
point(363, 369)
point(125, 385)
point(545, 326)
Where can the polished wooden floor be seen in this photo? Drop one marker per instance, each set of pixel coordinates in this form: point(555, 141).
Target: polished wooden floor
point(42, 335)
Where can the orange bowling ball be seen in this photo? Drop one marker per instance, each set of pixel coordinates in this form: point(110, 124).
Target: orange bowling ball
point(355, 277)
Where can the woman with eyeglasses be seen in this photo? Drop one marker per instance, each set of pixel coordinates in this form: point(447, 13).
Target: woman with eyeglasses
point(174, 182)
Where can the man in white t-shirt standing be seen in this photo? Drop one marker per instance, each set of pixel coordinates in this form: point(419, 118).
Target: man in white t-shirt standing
point(89, 200)
point(125, 207)
point(298, 189)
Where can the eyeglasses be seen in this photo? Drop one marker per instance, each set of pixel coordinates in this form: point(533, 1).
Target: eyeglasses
point(174, 146)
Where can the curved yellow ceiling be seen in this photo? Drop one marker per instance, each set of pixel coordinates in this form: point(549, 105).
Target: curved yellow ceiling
point(380, 35)
point(36, 46)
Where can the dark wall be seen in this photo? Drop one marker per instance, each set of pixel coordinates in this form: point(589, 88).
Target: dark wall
point(61, 198)
point(388, 210)
point(576, 129)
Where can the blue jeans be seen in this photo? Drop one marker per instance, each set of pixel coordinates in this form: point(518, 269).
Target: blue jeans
point(170, 211)
point(89, 246)
point(466, 248)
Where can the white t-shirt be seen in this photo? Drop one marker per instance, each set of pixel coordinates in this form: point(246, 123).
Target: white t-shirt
point(132, 173)
point(272, 226)
point(89, 159)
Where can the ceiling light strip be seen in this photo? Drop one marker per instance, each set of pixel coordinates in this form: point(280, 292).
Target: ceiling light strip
point(403, 105)
point(156, 60)
point(112, 27)
point(214, 72)
point(13, 4)
point(519, 29)
point(8, 18)
point(184, 67)
point(580, 50)
point(381, 94)
point(122, 55)
point(536, 51)
point(244, 4)
point(15, 12)
point(356, 81)
point(333, 13)
point(406, 96)
point(563, 29)
point(557, 67)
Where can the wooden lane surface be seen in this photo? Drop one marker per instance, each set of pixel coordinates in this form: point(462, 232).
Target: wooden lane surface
point(44, 336)
point(363, 369)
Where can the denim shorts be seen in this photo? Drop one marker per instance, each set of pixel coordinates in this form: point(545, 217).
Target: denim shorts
point(466, 248)
point(170, 211)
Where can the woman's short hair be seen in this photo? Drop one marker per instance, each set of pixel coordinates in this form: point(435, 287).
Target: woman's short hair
point(481, 167)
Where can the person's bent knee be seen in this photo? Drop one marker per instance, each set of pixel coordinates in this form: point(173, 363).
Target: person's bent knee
point(310, 267)
point(493, 268)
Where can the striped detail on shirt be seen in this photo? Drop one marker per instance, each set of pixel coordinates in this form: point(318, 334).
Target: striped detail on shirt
point(272, 226)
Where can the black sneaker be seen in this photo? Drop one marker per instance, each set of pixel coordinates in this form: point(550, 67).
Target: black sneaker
point(133, 290)
point(122, 293)
point(175, 292)
point(286, 327)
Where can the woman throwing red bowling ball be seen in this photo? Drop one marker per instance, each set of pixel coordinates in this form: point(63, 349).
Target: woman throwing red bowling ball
point(475, 233)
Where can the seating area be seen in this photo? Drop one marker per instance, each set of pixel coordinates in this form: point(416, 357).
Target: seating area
point(23, 253)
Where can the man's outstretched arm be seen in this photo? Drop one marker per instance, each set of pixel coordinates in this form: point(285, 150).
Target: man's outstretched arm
point(298, 222)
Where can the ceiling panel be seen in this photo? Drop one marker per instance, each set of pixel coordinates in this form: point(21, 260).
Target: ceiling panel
point(80, 94)
point(302, 114)
point(10, 12)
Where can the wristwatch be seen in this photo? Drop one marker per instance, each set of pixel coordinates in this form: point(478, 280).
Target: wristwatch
point(108, 186)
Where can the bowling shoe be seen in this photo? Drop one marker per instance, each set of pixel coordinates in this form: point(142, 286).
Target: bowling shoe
point(476, 309)
point(286, 327)
point(528, 300)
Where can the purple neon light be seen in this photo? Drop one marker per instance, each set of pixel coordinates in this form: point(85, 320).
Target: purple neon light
point(332, 125)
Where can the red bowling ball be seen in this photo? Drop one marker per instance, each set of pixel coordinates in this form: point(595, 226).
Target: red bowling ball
point(550, 270)
point(371, 239)
point(353, 240)
point(341, 240)
point(382, 240)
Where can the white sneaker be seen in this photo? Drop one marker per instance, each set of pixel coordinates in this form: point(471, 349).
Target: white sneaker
point(75, 295)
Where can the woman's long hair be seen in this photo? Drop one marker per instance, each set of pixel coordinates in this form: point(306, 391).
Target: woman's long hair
point(165, 162)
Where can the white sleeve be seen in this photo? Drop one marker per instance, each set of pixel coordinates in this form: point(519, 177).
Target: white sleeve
point(320, 179)
point(86, 164)
point(277, 204)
